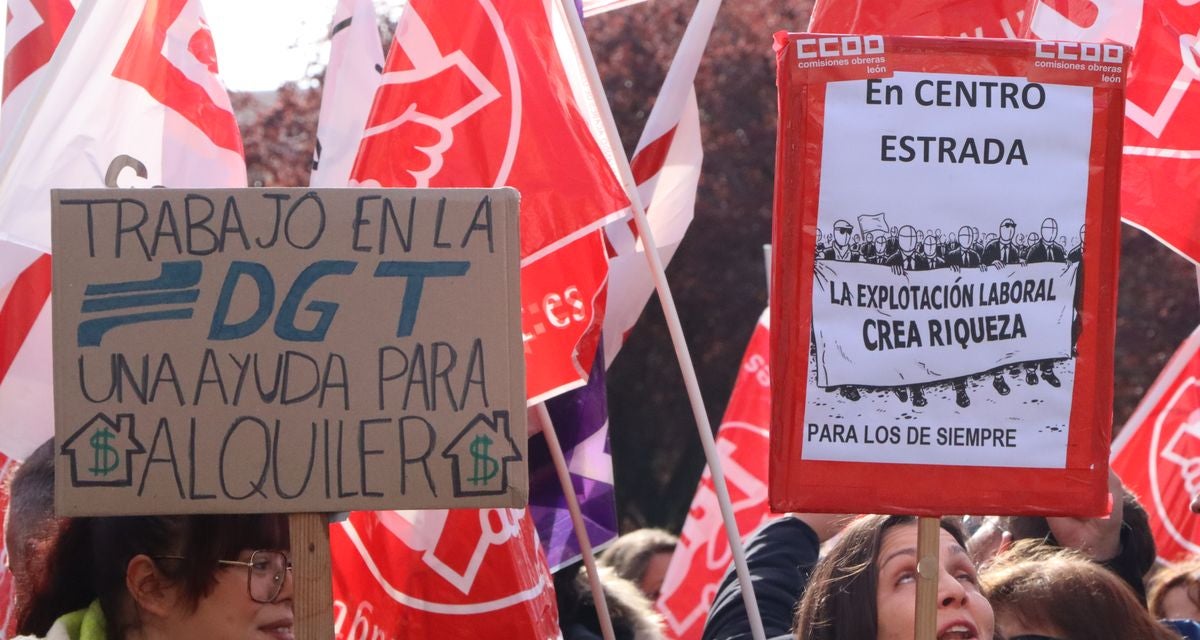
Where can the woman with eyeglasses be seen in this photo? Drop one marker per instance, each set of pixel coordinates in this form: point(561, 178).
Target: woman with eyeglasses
point(1041, 592)
point(167, 577)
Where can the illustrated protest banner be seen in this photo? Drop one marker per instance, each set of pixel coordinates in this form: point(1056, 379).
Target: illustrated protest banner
point(287, 350)
point(938, 316)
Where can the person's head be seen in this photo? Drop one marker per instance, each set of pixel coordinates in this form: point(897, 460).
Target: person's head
point(907, 239)
point(865, 587)
point(30, 526)
point(930, 247)
point(641, 557)
point(1037, 589)
point(1175, 592)
point(201, 576)
point(841, 233)
point(1049, 230)
point(1081, 227)
point(966, 236)
point(1007, 229)
point(880, 244)
point(1020, 238)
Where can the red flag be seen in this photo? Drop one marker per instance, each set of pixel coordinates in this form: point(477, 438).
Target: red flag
point(503, 103)
point(968, 18)
point(703, 555)
point(447, 574)
point(132, 99)
point(1162, 139)
point(1157, 454)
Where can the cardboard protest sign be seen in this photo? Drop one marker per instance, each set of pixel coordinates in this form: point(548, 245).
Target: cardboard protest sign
point(942, 333)
point(287, 350)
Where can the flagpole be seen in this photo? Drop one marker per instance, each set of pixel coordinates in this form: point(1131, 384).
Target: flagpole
point(581, 534)
point(703, 427)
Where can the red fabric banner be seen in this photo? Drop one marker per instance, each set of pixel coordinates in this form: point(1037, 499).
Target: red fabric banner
point(967, 18)
point(703, 555)
point(450, 574)
point(1157, 455)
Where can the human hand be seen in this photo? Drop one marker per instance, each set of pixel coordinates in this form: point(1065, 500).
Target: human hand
point(989, 541)
point(1098, 538)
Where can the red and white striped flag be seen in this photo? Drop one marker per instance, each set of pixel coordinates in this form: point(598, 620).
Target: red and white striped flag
point(351, 79)
point(33, 31)
point(130, 97)
point(1162, 106)
point(666, 166)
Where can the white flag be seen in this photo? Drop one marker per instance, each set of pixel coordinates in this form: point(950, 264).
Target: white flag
point(594, 7)
point(666, 166)
point(129, 98)
point(355, 65)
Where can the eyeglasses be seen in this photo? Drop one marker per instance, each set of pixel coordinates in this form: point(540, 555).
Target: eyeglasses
point(265, 573)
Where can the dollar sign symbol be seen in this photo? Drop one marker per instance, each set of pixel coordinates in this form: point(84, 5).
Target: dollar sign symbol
point(486, 467)
point(106, 458)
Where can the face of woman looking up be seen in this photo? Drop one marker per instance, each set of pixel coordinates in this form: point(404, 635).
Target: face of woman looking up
point(963, 612)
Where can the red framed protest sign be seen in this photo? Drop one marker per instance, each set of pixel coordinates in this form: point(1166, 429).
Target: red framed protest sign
point(942, 334)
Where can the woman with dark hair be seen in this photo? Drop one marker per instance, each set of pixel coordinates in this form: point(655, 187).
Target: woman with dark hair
point(177, 577)
point(641, 556)
point(865, 588)
point(1050, 593)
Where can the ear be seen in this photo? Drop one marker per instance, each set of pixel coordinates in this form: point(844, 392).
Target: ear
point(148, 587)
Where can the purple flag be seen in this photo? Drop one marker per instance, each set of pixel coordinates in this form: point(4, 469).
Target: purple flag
point(581, 421)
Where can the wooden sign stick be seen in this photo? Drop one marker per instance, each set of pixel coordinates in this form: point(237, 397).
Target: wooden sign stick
point(928, 546)
point(312, 578)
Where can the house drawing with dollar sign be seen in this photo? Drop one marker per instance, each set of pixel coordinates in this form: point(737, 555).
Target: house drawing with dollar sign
point(102, 451)
point(480, 454)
